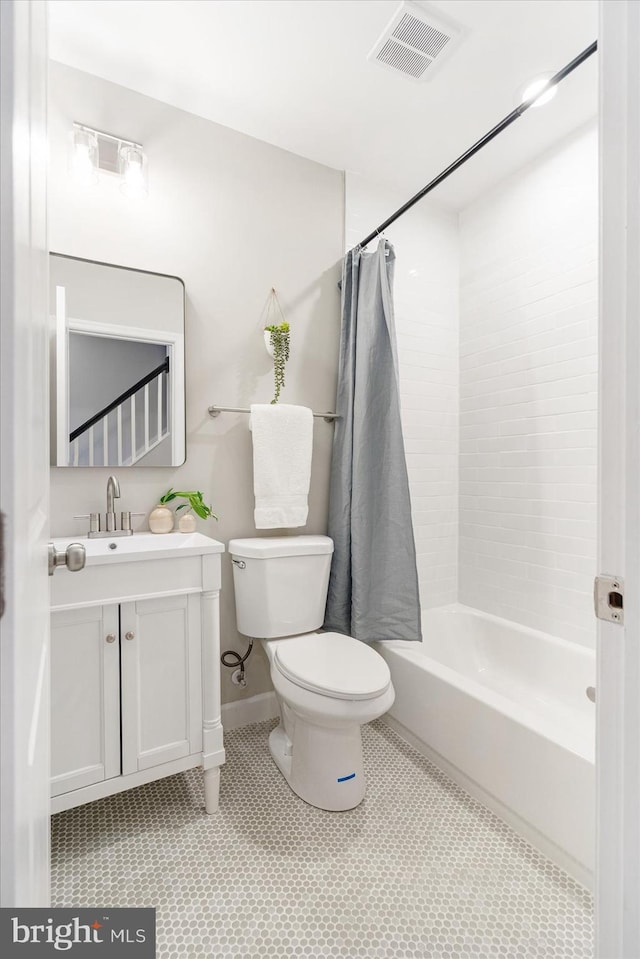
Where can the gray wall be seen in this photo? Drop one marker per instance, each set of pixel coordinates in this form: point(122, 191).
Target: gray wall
point(231, 216)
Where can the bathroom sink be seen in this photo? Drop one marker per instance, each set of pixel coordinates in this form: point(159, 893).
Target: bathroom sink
point(141, 546)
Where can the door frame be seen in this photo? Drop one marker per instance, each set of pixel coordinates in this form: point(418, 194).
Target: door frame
point(618, 681)
point(24, 471)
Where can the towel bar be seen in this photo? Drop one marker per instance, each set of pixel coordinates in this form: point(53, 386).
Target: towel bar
point(216, 410)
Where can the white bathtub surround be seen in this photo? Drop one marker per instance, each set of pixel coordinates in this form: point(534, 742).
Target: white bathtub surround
point(272, 876)
point(503, 709)
point(498, 371)
point(282, 438)
point(528, 394)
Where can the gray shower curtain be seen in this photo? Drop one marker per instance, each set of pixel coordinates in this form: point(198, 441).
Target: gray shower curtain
point(373, 588)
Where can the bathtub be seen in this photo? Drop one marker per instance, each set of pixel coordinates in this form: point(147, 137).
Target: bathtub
point(503, 710)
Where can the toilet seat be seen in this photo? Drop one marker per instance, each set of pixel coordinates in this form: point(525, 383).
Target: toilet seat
point(333, 665)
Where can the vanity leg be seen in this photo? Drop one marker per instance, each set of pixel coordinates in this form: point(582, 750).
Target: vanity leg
point(211, 789)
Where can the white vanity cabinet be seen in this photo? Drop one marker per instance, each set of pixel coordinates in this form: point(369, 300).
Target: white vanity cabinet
point(161, 680)
point(135, 675)
point(85, 697)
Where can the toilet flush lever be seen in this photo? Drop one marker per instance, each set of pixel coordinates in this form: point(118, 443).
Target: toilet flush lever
point(240, 563)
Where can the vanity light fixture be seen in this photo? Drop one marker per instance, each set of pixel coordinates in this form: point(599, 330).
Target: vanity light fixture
point(133, 170)
point(94, 151)
point(83, 158)
point(539, 91)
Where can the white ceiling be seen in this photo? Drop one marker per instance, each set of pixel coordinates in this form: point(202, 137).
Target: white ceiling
point(295, 73)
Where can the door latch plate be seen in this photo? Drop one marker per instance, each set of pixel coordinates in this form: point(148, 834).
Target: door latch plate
point(608, 599)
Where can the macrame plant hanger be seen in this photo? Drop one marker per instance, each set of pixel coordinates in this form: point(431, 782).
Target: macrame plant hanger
point(276, 339)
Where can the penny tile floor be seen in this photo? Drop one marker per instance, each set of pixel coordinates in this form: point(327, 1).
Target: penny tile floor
point(419, 869)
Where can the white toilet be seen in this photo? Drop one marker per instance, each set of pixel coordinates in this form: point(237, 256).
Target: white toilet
point(327, 684)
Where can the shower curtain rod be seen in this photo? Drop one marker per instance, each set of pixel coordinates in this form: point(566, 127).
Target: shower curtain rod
point(479, 144)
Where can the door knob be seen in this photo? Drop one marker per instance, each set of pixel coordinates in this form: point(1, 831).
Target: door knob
point(73, 557)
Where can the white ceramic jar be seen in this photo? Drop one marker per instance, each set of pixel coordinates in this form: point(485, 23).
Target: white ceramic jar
point(161, 519)
point(187, 523)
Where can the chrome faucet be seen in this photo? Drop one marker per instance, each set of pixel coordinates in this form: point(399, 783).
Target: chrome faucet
point(113, 492)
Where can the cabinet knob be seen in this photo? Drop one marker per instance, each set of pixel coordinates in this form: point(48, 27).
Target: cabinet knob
point(111, 638)
point(129, 635)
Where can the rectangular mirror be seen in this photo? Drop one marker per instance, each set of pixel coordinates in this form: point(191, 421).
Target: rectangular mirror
point(117, 365)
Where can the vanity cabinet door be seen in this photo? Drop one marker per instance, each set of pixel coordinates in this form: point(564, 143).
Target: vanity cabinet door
point(85, 697)
point(161, 680)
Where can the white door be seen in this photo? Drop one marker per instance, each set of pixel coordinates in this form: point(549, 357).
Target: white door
point(85, 697)
point(618, 686)
point(24, 467)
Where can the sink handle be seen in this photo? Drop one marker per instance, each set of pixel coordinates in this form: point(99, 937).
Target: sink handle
point(73, 557)
point(94, 521)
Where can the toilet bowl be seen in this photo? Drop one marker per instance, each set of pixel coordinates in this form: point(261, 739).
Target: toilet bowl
point(327, 684)
point(318, 746)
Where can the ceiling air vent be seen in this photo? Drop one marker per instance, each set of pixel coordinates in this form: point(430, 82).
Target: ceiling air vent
point(415, 41)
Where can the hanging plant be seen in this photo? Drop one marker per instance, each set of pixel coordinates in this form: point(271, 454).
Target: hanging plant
point(278, 343)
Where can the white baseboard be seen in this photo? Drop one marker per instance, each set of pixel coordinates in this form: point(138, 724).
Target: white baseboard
point(548, 848)
point(254, 709)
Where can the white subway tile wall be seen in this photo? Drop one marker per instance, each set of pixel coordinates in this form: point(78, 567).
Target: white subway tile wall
point(528, 394)
point(496, 317)
point(426, 290)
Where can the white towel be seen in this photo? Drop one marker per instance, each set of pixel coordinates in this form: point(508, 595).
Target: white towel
point(282, 442)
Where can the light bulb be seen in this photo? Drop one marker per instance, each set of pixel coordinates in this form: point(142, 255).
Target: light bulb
point(541, 90)
point(84, 157)
point(133, 170)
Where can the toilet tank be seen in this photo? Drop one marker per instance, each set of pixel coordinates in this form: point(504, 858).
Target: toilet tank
point(280, 584)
